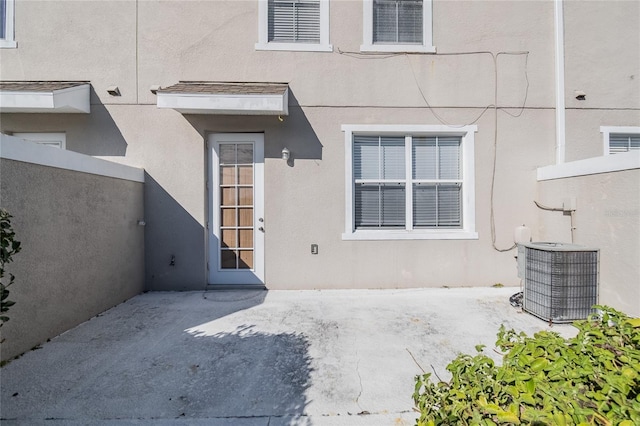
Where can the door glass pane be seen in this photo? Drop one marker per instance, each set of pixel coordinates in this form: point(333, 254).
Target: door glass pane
point(246, 238)
point(227, 175)
point(228, 259)
point(227, 153)
point(236, 189)
point(228, 217)
point(245, 175)
point(245, 260)
point(245, 153)
point(228, 238)
point(246, 217)
point(228, 196)
point(245, 196)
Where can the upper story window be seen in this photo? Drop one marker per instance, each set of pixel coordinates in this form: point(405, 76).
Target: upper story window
point(397, 26)
point(7, 38)
point(409, 182)
point(294, 25)
point(619, 139)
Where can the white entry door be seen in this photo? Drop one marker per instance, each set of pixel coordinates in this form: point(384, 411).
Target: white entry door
point(236, 206)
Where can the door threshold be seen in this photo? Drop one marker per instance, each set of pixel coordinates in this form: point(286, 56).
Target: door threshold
point(236, 287)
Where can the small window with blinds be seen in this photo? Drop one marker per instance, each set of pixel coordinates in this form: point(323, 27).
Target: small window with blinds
point(397, 21)
point(397, 26)
point(619, 139)
point(623, 143)
point(409, 182)
point(294, 25)
point(294, 21)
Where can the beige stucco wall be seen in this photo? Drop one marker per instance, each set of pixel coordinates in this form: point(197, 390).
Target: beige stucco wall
point(607, 217)
point(82, 250)
point(602, 59)
point(135, 45)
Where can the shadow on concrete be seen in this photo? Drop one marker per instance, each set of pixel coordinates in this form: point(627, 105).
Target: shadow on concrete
point(253, 373)
point(144, 361)
point(174, 243)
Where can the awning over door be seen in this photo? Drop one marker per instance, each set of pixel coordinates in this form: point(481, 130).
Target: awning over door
point(201, 97)
point(45, 96)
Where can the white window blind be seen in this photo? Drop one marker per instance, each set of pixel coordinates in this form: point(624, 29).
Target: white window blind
point(382, 175)
point(398, 21)
point(437, 187)
point(294, 21)
point(379, 171)
point(623, 143)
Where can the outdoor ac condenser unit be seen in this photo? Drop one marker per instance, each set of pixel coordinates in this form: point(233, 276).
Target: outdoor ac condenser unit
point(560, 280)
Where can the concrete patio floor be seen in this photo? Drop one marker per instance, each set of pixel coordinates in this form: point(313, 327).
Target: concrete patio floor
point(338, 357)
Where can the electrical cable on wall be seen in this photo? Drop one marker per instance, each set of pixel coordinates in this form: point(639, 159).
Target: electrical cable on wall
point(494, 106)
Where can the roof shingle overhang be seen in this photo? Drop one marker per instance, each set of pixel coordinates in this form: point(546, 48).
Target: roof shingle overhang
point(45, 97)
point(201, 97)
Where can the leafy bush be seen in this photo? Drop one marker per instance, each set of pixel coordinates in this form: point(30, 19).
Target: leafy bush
point(591, 379)
point(8, 247)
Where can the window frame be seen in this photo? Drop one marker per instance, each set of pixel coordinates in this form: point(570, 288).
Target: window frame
point(9, 41)
point(427, 32)
point(607, 131)
point(467, 135)
point(263, 32)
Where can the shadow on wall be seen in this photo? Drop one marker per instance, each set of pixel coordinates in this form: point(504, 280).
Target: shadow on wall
point(174, 243)
point(294, 131)
point(90, 134)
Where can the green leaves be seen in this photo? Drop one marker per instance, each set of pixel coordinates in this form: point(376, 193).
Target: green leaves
point(8, 247)
point(592, 379)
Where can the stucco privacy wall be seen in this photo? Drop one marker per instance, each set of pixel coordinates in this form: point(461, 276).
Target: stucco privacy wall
point(82, 249)
point(607, 217)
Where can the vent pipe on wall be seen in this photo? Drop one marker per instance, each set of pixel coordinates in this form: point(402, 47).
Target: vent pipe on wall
point(559, 71)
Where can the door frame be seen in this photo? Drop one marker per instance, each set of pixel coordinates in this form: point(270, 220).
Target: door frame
point(242, 277)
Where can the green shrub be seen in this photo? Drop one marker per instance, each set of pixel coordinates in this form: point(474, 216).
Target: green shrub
point(591, 379)
point(8, 247)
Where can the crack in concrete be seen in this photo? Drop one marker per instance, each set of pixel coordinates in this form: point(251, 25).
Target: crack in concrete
point(360, 380)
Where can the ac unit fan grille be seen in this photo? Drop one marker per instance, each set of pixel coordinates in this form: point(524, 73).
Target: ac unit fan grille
point(560, 286)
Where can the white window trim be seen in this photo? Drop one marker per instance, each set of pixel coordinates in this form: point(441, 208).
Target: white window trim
point(607, 130)
point(263, 32)
point(427, 32)
point(44, 138)
point(9, 41)
point(467, 134)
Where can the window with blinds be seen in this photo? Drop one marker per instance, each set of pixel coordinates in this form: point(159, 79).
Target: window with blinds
point(623, 142)
point(407, 182)
point(294, 21)
point(397, 21)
